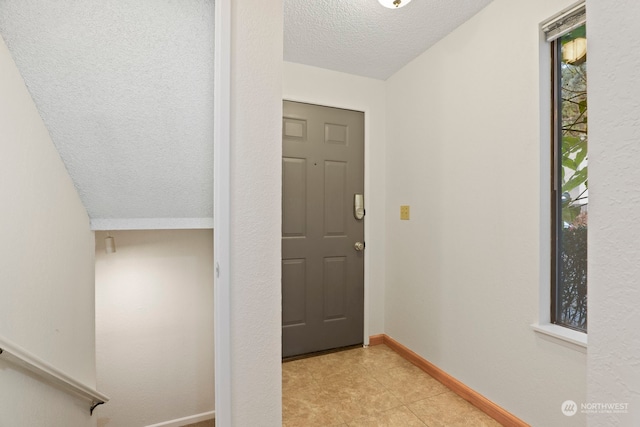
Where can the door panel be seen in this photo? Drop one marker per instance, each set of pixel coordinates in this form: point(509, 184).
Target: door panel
point(294, 280)
point(322, 273)
point(335, 188)
point(334, 287)
point(294, 210)
point(335, 134)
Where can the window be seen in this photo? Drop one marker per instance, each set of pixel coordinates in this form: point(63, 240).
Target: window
point(570, 194)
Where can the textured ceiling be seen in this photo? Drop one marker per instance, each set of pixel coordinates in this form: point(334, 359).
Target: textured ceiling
point(125, 87)
point(364, 38)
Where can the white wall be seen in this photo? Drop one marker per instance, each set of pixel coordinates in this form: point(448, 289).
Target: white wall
point(467, 149)
point(46, 265)
point(614, 230)
point(324, 87)
point(154, 326)
point(255, 224)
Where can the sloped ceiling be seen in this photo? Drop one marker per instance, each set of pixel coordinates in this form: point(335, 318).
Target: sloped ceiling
point(125, 87)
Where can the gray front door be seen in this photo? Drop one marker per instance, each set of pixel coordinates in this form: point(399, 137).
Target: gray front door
point(322, 271)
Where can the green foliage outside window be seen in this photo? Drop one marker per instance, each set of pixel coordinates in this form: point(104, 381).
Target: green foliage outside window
point(571, 292)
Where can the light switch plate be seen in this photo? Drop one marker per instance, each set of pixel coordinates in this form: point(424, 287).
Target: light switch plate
point(404, 212)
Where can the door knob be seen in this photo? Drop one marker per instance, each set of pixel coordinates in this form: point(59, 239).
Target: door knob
point(359, 246)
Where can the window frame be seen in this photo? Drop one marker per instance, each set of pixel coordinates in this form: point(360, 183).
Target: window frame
point(556, 154)
point(556, 222)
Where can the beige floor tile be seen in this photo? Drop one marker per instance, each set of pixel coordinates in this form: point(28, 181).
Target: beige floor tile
point(332, 371)
point(377, 358)
point(306, 406)
point(393, 373)
point(365, 405)
point(296, 378)
point(370, 387)
point(314, 419)
point(410, 383)
point(303, 400)
point(396, 417)
point(299, 367)
point(449, 410)
point(347, 387)
point(417, 389)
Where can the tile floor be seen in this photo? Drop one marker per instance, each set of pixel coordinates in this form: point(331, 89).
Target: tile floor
point(370, 387)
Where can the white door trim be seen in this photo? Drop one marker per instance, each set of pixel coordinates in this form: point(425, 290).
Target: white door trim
point(368, 238)
point(221, 214)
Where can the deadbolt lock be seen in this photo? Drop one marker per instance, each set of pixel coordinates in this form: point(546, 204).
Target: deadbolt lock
point(358, 206)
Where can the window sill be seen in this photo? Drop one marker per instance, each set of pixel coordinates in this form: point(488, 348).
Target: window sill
point(563, 336)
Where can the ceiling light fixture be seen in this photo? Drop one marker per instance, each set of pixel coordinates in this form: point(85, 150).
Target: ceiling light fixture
point(574, 52)
point(394, 4)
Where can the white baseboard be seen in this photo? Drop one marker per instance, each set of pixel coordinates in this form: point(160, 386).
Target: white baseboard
point(187, 420)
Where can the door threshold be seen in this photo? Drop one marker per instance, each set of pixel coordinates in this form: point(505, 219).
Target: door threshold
point(320, 353)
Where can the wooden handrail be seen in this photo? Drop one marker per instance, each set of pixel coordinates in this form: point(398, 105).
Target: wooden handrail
point(17, 355)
